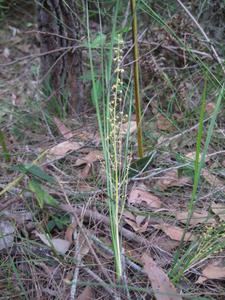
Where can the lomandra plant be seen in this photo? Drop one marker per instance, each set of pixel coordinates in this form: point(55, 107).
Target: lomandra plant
point(110, 121)
point(117, 177)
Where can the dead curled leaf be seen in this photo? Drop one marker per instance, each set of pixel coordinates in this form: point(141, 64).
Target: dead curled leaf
point(90, 158)
point(171, 179)
point(139, 196)
point(212, 271)
point(174, 232)
point(197, 217)
point(161, 285)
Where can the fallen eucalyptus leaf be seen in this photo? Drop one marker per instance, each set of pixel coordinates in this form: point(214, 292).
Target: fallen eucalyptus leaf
point(212, 271)
point(197, 217)
point(139, 196)
point(62, 149)
point(90, 158)
point(174, 232)
point(162, 287)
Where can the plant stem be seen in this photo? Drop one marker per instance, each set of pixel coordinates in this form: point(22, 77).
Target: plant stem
point(136, 78)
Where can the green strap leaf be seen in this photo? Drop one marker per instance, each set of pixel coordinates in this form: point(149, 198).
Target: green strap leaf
point(43, 197)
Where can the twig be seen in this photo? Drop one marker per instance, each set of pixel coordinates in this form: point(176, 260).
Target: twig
point(33, 56)
point(125, 274)
point(182, 133)
point(204, 34)
point(76, 272)
point(153, 174)
point(53, 65)
point(52, 34)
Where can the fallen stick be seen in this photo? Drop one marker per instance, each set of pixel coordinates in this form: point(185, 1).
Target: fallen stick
point(97, 217)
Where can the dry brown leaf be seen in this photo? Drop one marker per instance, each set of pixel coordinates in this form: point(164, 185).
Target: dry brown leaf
point(138, 196)
point(161, 285)
point(174, 232)
point(165, 243)
point(212, 179)
point(219, 209)
point(124, 127)
point(66, 133)
point(60, 245)
point(87, 294)
point(212, 271)
point(61, 149)
point(209, 108)
point(163, 124)
point(139, 223)
point(171, 179)
point(197, 217)
point(90, 158)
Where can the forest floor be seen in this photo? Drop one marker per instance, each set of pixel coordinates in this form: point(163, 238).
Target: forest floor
point(55, 231)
